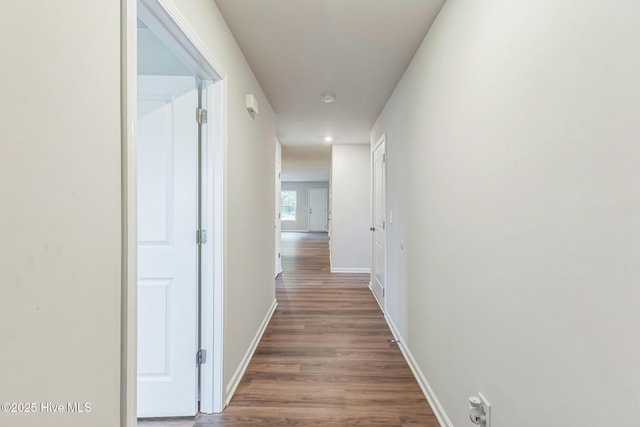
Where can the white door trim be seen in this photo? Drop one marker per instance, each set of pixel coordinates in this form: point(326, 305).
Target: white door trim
point(129, 215)
point(172, 28)
point(278, 211)
point(214, 163)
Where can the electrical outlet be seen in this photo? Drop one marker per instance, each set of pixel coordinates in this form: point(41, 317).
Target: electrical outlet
point(486, 408)
point(480, 411)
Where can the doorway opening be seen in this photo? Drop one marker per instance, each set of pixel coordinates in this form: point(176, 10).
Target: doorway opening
point(278, 209)
point(173, 169)
point(168, 251)
point(378, 216)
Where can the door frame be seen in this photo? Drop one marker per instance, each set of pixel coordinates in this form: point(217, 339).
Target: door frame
point(278, 209)
point(163, 17)
point(326, 196)
point(380, 142)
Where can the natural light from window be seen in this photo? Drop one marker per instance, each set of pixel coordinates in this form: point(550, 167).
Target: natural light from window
point(289, 202)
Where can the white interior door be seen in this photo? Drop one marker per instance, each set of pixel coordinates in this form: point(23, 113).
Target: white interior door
point(379, 224)
point(317, 209)
point(278, 219)
point(167, 247)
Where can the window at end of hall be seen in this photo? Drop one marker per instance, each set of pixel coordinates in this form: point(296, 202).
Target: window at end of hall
point(289, 202)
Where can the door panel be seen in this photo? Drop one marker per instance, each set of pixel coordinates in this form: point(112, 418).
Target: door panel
point(153, 296)
point(317, 209)
point(278, 218)
point(379, 224)
point(167, 249)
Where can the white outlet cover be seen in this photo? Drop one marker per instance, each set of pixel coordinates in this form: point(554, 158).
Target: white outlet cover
point(487, 409)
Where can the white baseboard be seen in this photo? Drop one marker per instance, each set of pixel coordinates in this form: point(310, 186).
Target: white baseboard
point(304, 231)
point(351, 270)
point(237, 376)
point(375, 297)
point(438, 410)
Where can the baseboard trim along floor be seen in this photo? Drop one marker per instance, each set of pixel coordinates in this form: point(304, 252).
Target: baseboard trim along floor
point(237, 376)
point(437, 408)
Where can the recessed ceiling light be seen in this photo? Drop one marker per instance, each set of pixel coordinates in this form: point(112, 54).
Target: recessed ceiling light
point(328, 97)
point(328, 138)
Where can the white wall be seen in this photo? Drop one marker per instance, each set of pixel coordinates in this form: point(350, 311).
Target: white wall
point(512, 166)
point(60, 216)
point(249, 292)
point(302, 212)
point(306, 163)
point(350, 208)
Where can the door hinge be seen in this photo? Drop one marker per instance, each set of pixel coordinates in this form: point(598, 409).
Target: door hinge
point(384, 158)
point(201, 116)
point(201, 357)
point(383, 225)
point(278, 254)
point(382, 292)
point(201, 237)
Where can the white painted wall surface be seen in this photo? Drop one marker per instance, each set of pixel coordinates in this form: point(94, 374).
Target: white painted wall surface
point(60, 216)
point(350, 208)
point(249, 292)
point(306, 163)
point(302, 212)
point(513, 159)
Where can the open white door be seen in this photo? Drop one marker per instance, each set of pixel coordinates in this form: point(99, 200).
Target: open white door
point(378, 228)
point(278, 216)
point(317, 209)
point(167, 247)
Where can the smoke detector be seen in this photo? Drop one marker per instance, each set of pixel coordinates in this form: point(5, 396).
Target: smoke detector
point(328, 97)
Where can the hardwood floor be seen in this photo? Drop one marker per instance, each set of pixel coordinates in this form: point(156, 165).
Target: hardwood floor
point(326, 358)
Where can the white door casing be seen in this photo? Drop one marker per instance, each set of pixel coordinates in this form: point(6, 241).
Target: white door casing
point(167, 247)
point(378, 228)
point(278, 220)
point(168, 23)
point(317, 209)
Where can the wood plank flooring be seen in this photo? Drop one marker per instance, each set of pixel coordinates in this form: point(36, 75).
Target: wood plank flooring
point(326, 358)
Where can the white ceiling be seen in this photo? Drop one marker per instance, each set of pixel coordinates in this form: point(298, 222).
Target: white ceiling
point(355, 48)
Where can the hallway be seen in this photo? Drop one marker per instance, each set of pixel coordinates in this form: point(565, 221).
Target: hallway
point(325, 358)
